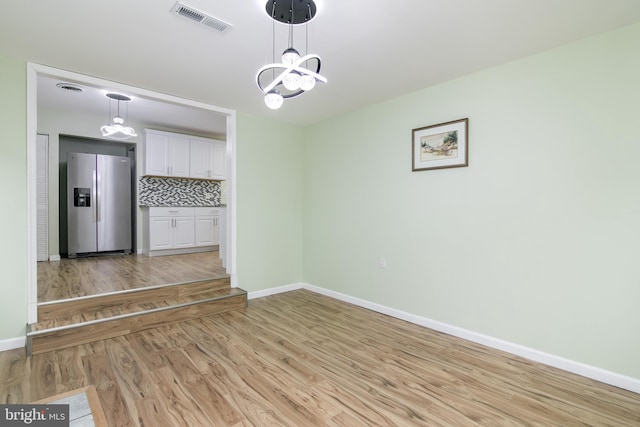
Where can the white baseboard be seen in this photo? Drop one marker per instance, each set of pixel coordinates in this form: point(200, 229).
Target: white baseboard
point(12, 343)
point(139, 252)
point(598, 374)
point(192, 250)
point(274, 291)
point(54, 257)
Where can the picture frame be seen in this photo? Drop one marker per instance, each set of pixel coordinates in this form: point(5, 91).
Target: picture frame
point(445, 145)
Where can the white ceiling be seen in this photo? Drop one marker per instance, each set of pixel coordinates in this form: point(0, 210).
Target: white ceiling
point(151, 113)
point(371, 50)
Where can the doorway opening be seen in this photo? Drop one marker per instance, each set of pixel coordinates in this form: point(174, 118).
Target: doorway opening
point(36, 122)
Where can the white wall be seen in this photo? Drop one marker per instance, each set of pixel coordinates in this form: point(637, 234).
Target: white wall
point(534, 243)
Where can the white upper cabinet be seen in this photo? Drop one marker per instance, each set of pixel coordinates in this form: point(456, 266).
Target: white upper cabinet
point(156, 149)
point(166, 154)
point(199, 153)
point(207, 158)
point(218, 160)
point(178, 157)
point(169, 154)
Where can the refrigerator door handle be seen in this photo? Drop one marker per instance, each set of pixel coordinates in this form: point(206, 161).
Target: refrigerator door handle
point(94, 195)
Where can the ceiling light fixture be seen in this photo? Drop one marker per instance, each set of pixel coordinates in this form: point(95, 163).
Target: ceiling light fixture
point(117, 130)
point(295, 74)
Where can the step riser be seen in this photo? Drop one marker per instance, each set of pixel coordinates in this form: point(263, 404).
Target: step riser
point(83, 334)
point(101, 302)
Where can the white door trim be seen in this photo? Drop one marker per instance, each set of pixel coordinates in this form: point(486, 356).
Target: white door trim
point(42, 191)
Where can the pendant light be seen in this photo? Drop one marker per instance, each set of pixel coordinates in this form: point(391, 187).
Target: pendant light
point(117, 130)
point(295, 74)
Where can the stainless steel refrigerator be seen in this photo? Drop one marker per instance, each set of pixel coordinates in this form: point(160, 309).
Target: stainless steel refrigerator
point(98, 203)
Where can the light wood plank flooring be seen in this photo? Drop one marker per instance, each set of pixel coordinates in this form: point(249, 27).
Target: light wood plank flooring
point(71, 278)
point(302, 359)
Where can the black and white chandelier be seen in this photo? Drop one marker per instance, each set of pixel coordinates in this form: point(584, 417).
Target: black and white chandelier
point(295, 74)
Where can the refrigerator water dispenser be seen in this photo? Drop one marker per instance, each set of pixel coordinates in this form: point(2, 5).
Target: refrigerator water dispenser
point(82, 197)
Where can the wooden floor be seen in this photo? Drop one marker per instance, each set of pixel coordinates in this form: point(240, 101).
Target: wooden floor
point(71, 278)
point(302, 359)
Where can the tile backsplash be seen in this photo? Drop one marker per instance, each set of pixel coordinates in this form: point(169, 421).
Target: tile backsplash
point(158, 191)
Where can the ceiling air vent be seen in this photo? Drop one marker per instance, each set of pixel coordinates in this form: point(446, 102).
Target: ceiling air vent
point(188, 12)
point(70, 87)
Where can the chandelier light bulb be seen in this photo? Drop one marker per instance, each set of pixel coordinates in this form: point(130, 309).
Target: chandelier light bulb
point(292, 80)
point(273, 99)
point(307, 82)
point(290, 56)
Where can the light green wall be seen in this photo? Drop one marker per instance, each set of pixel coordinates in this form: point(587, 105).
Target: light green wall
point(13, 189)
point(269, 204)
point(534, 243)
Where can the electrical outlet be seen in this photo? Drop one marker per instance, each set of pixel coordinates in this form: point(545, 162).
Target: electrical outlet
point(208, 196)
point(382, 263)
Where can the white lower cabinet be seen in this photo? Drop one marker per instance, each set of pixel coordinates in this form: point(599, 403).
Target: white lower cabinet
point(160, 233)
point(183, 232)
point(207, 226)
point(170, 231)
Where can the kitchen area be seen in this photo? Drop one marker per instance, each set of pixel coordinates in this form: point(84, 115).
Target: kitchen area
point(171, 207)
point(182, 194)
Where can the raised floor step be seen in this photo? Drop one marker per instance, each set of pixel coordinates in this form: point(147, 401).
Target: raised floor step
point(96, 303)
point(68, 323)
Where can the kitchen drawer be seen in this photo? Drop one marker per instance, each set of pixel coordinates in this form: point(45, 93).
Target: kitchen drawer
point(208, 211)
point(171, 211)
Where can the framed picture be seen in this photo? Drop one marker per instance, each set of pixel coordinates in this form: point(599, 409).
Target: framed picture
point(445, 145)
